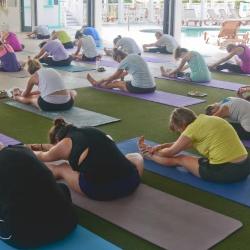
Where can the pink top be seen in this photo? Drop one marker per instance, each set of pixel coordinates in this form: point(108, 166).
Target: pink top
point(4, 51)
point(245, 59)
point(14, 42)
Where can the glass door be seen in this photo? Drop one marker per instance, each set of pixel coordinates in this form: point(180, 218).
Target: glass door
point(26, 15)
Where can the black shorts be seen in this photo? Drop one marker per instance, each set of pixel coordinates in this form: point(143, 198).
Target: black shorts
point(225, 172)
point(46, 106)
point(137, 90)
point(48, 60)
point(88, 59)
point(69, 45)
point(38, 36)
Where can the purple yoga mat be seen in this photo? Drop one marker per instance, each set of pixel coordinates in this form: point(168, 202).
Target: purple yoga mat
point(159, 97)
point(214, 83)
point(246, 143)
point(6, 140)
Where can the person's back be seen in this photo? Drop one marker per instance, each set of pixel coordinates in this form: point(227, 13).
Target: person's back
point(245, 59)
point(199, 68)
point(138, 68)
point(42, 30)
point(128, 45)
point(8, 59)
point(63, 36)
point(167, 41)
point(50, 81)
point(56, 50)
point(14, 42)
point(35, 209)
point(91, 31)
point(88, 46)
point(215, 139)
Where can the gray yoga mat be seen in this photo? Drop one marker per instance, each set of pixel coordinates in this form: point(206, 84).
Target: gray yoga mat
point(163, 219)
point(77, 116)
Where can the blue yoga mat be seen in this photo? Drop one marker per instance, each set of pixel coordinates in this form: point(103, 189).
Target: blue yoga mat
point(70, 68)
point(79, 239)
point(237, 192)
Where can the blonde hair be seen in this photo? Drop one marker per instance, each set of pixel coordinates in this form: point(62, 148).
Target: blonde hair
point(33, 65)
point(178, 51)
point(181, 117)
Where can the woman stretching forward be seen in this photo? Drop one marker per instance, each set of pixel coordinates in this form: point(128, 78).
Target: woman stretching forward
point(224, 158)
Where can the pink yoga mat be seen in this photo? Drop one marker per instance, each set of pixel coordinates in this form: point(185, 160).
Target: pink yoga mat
point(159, 97)
point(213, 83)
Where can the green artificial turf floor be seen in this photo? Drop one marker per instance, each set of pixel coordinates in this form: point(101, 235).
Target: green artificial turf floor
point(138, 118)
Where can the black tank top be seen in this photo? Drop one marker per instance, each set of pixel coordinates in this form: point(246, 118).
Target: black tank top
point(104, 162)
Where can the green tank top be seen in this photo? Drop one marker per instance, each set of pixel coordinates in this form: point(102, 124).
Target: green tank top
point(198, 67)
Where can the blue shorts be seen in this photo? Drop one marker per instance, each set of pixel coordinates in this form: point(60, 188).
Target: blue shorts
point(110, 191)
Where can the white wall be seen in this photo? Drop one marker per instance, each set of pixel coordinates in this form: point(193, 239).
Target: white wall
point(10, 18)
point(98, 14)
point(178, 18)
point(76, 9)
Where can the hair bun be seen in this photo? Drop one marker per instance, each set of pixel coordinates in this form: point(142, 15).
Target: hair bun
point(59, 122)
point(119, 36)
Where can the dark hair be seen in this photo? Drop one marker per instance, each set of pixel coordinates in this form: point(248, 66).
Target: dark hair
point(209, 110)
point(78, 34)
point(118, 53)
point(117, 39)
point(181, 117)
point(59, 130)
point(1, 43)
point(42, 44)
point(178, 51)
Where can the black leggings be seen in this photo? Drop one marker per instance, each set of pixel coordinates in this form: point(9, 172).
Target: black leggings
point(242, 133)
point(162, 50)
point(38, 36)
point(48, 60)
point(231, 67)
point(69, 45)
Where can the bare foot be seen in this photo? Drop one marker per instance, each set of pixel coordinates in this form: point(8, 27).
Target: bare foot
point(92, 80)
point(73, 94)
point(163, 72)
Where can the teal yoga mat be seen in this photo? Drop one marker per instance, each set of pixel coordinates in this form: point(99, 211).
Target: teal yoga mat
point(79, 239)
point(77, 116)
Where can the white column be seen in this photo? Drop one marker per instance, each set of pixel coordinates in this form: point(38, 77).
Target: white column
point(178, 18)
point(203, 10)
point(98, 14)
point(120, 11)
point(151, 11)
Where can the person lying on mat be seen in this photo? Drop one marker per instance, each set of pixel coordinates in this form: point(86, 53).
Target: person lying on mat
point(8, 60)
point(237, 110)
point(40, 32)
point(196, 63)
point(34, 209)
point(165, 44)
point(142, 80)
point(125, 44)
point(12, 39)
point(54, 54)
point(242, 66)
point(224, 158)
point(87, 44)
point(52, 95)
point(96, 166)
point(63, 37)
point(244, 92)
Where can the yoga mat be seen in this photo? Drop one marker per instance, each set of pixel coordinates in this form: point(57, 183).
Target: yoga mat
point(6, 141)
point(246, 143)
point(237, 192)
point(77, 116)
point(19, 74)
point(231, 73)
point(79, 239)
point(214, 83)
point(70, 68)
point(159, 97)
point(154, 59)
point(163, 219)
point(105, 63)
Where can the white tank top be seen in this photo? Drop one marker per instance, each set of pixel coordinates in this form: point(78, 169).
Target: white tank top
point(50, 81)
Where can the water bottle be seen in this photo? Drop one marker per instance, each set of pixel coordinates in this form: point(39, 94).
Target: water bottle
point(98, 62)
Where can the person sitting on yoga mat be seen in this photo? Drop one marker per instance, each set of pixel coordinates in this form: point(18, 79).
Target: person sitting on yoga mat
point(54, 54)
point(165, 44)
point(52, 94)
point(63, 37)
point(242, 65)
point(196, 63)
point(237, 110)
point(142, 80)
point(224, 158)
point(40, 32)
point(8, 60)
point(96, 168)
point(91, 31)
point(87, 43)
point(34, 209)
point(125, 44)
point(12, 39)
